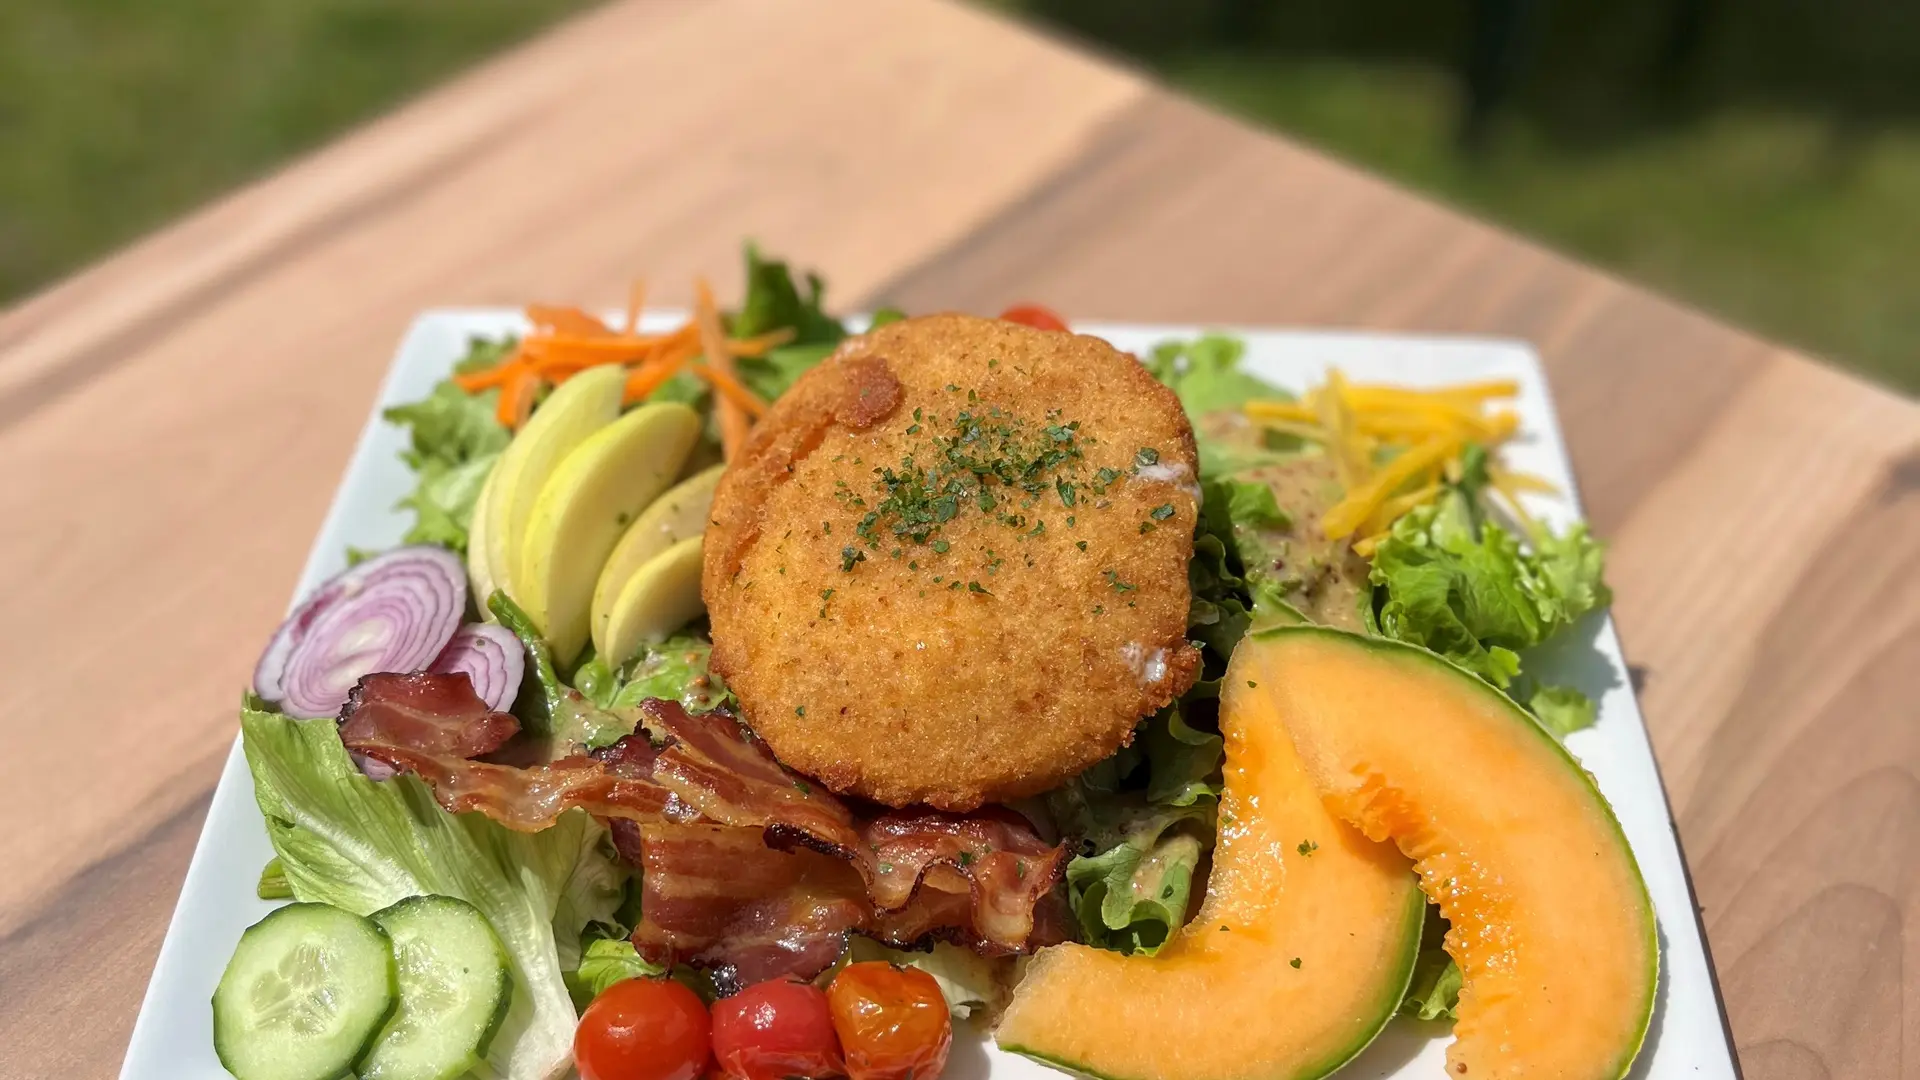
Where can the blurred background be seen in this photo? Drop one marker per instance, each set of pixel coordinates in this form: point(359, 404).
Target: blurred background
point(1759, 159)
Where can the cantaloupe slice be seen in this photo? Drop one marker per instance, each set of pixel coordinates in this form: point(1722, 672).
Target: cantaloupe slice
point(1299, 956)
point(1552, 926)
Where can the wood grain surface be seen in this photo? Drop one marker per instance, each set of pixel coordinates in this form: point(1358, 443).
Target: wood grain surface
point(174, 419)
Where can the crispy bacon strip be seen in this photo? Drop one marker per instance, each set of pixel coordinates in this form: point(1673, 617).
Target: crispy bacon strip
point(533, 798)
point(717, 897)
point(433, 725)
point(430, 713)
point(712, 764)
point(992, 858)
point(776, 866)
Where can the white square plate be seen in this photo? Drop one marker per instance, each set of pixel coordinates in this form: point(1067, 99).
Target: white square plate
point(173, 1037)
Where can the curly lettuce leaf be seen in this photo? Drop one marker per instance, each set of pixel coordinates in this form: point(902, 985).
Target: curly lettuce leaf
point(1435, 990)
point(673, 670)
point(1183, 762)
point(603, 962)
point(1205, 373)
point(547, 706)
point(774, 302)
point(970, 982)
point(1134, 892)
point(273, 882)
point(1562, 709)
point(1467, 590)
point(345, 840)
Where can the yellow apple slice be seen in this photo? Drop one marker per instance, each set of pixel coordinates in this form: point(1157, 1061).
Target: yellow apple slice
point(577, 408)
point(479, 570)
point(589, 500)
point(673, 517)
point(661, 598)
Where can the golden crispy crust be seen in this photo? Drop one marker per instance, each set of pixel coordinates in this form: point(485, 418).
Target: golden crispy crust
point(911, 651)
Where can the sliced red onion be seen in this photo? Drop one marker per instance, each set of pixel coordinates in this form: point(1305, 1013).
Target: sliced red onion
point(491, 656)
point(393, 612)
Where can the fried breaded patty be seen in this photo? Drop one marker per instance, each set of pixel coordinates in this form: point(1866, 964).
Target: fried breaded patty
point(950, 565)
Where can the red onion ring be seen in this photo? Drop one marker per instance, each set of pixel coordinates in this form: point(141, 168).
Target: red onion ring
point(491, 657)
point(393, 612)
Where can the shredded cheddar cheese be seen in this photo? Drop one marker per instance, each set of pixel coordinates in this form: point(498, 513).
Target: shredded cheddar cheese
point(1393, 445)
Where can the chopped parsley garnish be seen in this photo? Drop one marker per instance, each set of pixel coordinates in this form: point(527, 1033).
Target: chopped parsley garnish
point(802, 787)
point(1145, 456)
point(1294, 963)
point(799, 710)
point(1081, 544)
point(1113, 579)
point(976, 587)
point(1161, 512)
point(850, 556)
point(1307, 847)
point(980, 458)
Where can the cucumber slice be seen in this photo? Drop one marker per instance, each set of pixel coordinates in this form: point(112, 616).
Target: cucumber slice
point(454, 989)
point(306, 991)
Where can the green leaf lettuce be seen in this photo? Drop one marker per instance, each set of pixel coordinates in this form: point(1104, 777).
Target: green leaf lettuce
point(454, 440)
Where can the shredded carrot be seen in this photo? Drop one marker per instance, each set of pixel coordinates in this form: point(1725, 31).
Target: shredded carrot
point(760, 344)
point(603, 348)
point(559, 364)
point(649, 377)
point(516, 399)
point(734, 421)
point(475, 381)
point(732, 388)
point(566, 320)
point(636, 300)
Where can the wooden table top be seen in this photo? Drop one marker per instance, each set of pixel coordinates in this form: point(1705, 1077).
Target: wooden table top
point(173, 422)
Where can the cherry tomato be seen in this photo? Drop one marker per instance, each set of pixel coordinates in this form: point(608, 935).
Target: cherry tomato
point(1034, 315)
point(644, 1029)
point(892, 1022)
point(776, 1029)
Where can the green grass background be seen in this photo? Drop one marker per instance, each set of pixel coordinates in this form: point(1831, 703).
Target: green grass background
point(1772, 176)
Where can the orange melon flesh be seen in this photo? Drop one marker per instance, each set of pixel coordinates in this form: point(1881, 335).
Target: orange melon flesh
point(1222, 1000)
point(1552, 926)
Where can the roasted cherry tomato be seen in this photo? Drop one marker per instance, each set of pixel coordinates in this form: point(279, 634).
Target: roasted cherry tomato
point(892, 1022)
point(644, 1029)
point(776, 1029)
point(1034, 315)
